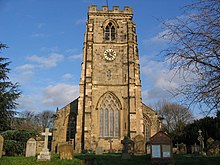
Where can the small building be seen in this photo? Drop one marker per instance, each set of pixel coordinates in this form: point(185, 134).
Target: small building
point(161, 147)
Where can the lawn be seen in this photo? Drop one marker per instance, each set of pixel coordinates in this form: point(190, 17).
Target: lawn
point(110, 159)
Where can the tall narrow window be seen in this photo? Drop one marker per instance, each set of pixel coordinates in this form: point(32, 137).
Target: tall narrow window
point(117, 123)
point(111, 123)
point(110, 32)
point(106, 123)
point(109, 117)
point(101, 122)
point(147, 133)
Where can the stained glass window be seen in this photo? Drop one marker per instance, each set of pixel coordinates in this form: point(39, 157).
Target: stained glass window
point(109, 117)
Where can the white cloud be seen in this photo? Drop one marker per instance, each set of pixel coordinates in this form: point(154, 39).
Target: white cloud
point(75, 56)
point(156, 40)
point(29, 103)
point(161, 81)
point(67, 76)
point(46, 62)
point(71, 50)
point(25, 68)
point(60, 94)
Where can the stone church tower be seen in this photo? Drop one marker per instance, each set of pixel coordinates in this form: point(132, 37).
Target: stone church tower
point(110, 104)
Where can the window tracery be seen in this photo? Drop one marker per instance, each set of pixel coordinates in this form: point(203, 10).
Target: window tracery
point(109, 117)
point(110, 32)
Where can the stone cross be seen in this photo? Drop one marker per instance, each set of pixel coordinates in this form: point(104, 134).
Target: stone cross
point(110, 143)
point(201, 140)
point(177, 147)
point(45, 154)
point(46, 134)
point(126, 146)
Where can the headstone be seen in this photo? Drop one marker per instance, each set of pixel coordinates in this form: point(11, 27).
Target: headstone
point(139, 146)
point(126, 146)
point(99, 150)
point(195, 149)
point(45, 154)
point(182, 148)
point(66, 151)
point(31, 147)
point(1, 145)
point(212, 146)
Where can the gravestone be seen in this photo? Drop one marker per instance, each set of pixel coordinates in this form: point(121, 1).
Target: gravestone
point(182, 148)
point(212, 146)
point(45, 154)
point(99, 150)
point(127, 143)
point(195, 149)
point(31, 147)
point(66, 151)
point(139, 146)
point(1, 145)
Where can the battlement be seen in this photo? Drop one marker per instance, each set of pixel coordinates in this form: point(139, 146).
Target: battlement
point(105, 9)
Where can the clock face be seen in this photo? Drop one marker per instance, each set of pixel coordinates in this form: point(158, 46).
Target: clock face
point(110, 54)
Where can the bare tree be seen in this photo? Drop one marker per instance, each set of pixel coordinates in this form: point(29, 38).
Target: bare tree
point(175, 116)
point(25, 121)
point(28, 120)
point(194, 50)
point(45, 119)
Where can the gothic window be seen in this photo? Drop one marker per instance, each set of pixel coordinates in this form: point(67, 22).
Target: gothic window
point(110, 32)
point(109, 117)
point(147, 133)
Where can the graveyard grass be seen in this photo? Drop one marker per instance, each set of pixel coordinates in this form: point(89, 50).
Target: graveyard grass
point(110, 159)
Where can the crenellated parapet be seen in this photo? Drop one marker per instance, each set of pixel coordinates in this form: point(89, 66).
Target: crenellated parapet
point(114, 10)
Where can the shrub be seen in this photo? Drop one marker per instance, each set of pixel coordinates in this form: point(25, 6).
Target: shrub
point(15, 141)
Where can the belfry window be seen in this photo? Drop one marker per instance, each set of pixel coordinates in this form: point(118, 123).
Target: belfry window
point(109, 117)
point(110, 32)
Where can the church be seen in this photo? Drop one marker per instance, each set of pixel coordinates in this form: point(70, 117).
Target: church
point(109, 106)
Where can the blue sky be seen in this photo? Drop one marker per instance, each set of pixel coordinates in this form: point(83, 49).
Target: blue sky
point(45, 39)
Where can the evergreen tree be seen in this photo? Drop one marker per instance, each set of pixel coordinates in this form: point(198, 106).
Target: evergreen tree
point(9, 92)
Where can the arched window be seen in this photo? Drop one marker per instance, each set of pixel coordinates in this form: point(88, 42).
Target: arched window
point(147, 132)
point(110, 32)
point(109, 117)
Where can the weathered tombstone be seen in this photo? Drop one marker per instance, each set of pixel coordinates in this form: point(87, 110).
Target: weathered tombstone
point(31, 147)
point(212, 146)
point(139, 146)
point(201, 142)
point(99, 150)
point(66, 151)
point(126, 146)
point(161, 148)
point(182, 148)
point(1, 145)
point(195, 149)
point(45, 154)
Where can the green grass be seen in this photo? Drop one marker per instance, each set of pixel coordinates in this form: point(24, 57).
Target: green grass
point(111, 159)
point(21, 160)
